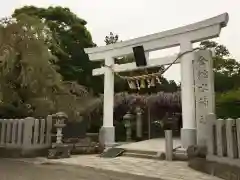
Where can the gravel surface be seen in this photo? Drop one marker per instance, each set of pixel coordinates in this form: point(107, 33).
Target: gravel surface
point(12, 170)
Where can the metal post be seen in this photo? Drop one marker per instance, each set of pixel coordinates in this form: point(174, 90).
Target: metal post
point(168, 145)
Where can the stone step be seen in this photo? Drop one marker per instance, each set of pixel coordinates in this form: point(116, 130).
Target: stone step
point(180, 149)
point(178, 154)
point(153, 153)
point(142, 154)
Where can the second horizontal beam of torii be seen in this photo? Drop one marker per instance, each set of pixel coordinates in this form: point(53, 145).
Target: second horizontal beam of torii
point(156, 62)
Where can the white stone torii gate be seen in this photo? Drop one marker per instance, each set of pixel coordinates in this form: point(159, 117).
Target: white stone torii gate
point(183, 37)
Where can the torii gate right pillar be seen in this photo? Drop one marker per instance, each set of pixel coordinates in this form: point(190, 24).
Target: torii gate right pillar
point(188, 131)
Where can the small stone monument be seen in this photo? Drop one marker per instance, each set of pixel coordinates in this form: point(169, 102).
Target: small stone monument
point(59, 149)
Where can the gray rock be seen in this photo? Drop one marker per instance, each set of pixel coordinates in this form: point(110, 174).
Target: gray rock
point(196, 151)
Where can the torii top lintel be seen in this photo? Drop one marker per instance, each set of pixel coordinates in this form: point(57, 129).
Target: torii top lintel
point(206, 29)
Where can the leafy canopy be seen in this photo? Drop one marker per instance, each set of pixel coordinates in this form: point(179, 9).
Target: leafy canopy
point(29, 82)
point(227, 70)
point(72, 37)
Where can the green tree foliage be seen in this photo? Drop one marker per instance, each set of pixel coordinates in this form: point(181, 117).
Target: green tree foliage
point(111, 39)
point(228, 104)
point(29, 82)
point(72, 37)
point(25, 58)
point(227, 70)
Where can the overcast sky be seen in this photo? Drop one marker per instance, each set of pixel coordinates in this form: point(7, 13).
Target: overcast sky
point(134, 18)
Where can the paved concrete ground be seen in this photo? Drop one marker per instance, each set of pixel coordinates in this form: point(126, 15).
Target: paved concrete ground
point(13, 170)
point(155, 145)
point(136, 166)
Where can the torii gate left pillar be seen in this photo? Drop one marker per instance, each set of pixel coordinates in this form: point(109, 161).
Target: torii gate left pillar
point(107, 131)
point(183, 37)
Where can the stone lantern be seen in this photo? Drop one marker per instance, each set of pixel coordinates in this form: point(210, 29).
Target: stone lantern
point(60, 119)
point(127, 122)
point(59, 149)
